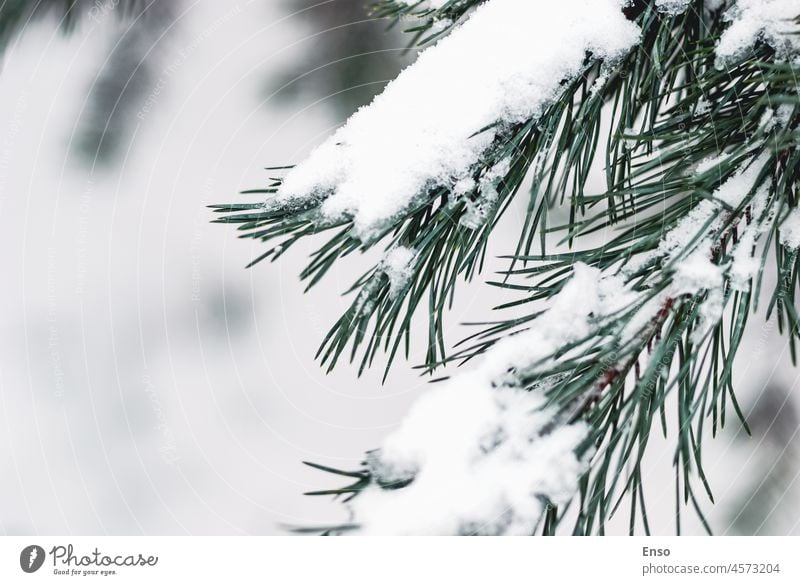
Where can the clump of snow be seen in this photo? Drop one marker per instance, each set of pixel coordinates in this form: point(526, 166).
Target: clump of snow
point(697, 272)
point(589, 297)
point(494, 441)
point(705, 215)
point(672, 7)
point(502, 66)
point(753, 20)
point(689, 247)
point(711, 311)
point(365, 302)
point(779, 117)
point(783, 114)
point(709, 163)
point(744, 265)
point(396, 265)
point(599, 82)
point(702, 107)
point(477, 209)
point(790, 230)
point(479, 462)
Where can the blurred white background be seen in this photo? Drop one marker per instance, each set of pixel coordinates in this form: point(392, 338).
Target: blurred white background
point(149, 384)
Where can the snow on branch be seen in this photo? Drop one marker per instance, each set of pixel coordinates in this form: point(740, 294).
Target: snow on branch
point(525, 86)
point(480, 454)
point(434, 124)
point(672, 7)
point(771, 21)
point(476, 451)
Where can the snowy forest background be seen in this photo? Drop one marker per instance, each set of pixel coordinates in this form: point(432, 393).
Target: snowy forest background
point(150, 384)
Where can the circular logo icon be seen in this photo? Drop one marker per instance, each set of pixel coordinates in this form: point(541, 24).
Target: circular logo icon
point(31, 558)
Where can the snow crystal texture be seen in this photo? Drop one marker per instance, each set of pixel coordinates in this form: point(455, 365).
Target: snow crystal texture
point(503, 65)
point(754, 20)
point(483, 457)
point(476, 454)
point(790, 230)
point(673, 7)
point(397, 266)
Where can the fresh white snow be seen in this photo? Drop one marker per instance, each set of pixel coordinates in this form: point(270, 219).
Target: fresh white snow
point(790, 230)
point(480, 470)
point(482, 455)
point(697, 272)
point(397, 267)
point(673, 7)
point(478, 450)
point(502, 66)
point(745, 265)
point(754, 20)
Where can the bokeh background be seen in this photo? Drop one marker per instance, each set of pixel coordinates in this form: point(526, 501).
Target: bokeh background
point(149, 383)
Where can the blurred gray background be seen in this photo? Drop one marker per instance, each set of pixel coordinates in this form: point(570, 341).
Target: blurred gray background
point(149, 384)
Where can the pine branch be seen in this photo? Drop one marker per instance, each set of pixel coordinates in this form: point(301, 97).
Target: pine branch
point(701, 170)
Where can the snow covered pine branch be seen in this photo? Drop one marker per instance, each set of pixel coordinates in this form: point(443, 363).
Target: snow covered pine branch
point(696, 105)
